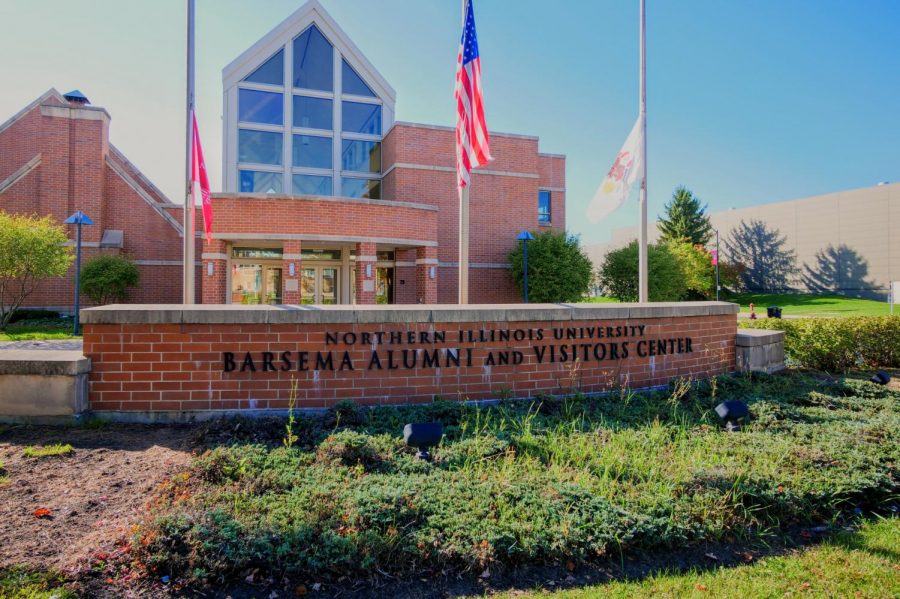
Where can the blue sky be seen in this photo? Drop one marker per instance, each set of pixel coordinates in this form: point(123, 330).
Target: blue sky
point(748, 102)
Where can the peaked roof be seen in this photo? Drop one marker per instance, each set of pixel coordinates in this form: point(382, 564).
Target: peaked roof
point(291, 27)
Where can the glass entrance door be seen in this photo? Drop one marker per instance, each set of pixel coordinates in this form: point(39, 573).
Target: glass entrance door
point(255, 284)
point(320, 285)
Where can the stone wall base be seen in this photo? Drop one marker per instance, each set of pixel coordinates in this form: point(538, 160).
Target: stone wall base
point(759, 350)
point(43, 385)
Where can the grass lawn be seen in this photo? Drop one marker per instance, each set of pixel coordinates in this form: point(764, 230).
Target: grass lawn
point(864, 563)
point(797, 304)
point(569, 481)
point(38, 329)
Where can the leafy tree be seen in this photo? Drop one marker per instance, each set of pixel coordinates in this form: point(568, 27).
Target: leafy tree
point(767, 264)
point(619, 274)
point(558, 269)
point(696, 267)
point(31, 249)
point(105, 279)
point(685, 219)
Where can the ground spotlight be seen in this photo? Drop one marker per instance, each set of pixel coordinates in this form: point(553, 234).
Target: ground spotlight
point(731, 411)
point(423, 435)
point(881, 378)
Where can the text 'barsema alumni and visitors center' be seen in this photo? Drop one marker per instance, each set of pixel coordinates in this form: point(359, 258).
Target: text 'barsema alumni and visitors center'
point(326, 198)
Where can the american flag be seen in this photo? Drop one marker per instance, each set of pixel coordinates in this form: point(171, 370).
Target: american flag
point(471, 129)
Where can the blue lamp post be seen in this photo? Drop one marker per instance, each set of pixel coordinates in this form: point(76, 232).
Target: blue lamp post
point(525, 237)
point(79, 218)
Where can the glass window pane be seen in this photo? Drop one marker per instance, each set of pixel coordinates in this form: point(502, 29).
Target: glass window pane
point(246, 283)
point(361, 188)
point(260, 107)
point(361, 118)
point(312, 113)
point(543, 206)
point(259, 147)
point(259, 182)
point(317, 254)
point(312, 151)
point(252, 252)
point(271, 71)
point(361, 156)
point(312, 185)
point(313, 61)
point(353, 83)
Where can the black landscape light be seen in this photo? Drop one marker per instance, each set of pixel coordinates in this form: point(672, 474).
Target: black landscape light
point(881, 378)
point(731, 411)
point(423, 435)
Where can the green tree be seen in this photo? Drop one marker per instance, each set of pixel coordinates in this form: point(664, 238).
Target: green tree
point(105, 279)
point(31, 249)
point(696, 267)
point(685, 219)
point(558, 269)
point(619, 274)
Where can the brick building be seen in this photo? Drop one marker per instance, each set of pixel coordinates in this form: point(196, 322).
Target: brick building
point(55, 158)
point(326, 198)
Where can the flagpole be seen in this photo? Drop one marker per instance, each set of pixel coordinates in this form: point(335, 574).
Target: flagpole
point(464, 221)
point(643, 284)
point(188, 284)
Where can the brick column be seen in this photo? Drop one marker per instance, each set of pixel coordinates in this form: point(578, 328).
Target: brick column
point(290, 293)
point(213, 288)
point(365, 284)
point(426, 266)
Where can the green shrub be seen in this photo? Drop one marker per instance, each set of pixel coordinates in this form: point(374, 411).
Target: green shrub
point(33, 315)
point(106, 279)
point(838, 344)
point(618, 275)
point(558, 269)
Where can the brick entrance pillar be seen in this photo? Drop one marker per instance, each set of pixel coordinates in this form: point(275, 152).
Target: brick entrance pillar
point(426, 275)
point(213, 286)
point(290, 293)
point(365, 272)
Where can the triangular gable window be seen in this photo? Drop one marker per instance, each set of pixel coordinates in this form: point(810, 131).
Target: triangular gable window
point(353, 83)
point(271, 71)
point(313, 61)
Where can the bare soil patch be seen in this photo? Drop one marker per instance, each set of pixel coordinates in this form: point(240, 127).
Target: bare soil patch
point(93, 494)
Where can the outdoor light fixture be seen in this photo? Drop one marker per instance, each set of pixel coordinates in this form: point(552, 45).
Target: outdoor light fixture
point(369, 270)
point(78, 219)
point(431, 273)
point(291, 270)
point(423, 435)
point(881, 378)
point(525, 237)
point(209, 269)
point(731, 411)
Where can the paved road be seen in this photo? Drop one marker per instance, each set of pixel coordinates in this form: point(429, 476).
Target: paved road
point(52, 344)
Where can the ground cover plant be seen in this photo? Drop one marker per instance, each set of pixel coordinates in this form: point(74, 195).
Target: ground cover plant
point(558, 481)
point(47, 451)
point(33, 329)
point(862, 563)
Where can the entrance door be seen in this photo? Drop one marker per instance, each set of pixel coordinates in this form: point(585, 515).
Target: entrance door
point(255, 284)
point(384, 285)
point(320, 285)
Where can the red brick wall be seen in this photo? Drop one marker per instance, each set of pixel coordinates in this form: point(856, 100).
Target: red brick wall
point(165, 367)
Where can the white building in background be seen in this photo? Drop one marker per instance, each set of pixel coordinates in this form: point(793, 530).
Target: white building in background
point(846, 242)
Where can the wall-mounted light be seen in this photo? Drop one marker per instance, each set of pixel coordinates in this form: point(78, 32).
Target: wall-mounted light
point(368, 270)
point(291, 269)
point(431, 273)
point(209, 269)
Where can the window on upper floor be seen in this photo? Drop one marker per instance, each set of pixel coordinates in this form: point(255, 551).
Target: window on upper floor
point(544, 206)
point(353, 83)
point(270, 72)
point(260, 107)
point(313, 61)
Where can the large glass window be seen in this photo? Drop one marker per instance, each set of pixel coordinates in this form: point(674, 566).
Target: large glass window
point(352, 83)
point(260, 107)
point(361, 156)
point(260, 182)
point(312, 185)
point(313, 61)
point(313, 113)
point(259, 147)
point(361, 118)
point(352, 187)
point(312, 151)
point(271, 71)
point(543, 206)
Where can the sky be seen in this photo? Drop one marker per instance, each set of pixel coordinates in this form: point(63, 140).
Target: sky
point(747, 102)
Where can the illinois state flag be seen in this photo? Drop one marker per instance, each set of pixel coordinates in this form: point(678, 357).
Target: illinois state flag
point(199, 177)
point(613, 192)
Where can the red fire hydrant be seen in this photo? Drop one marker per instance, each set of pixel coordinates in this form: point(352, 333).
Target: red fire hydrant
point(752, 313)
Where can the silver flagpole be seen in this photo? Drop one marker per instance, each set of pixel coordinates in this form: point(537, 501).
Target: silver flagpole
point(464, 223)
point(643, 285)
point(188, 284)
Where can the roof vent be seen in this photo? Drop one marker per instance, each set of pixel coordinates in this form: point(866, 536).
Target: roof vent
point(76, 97)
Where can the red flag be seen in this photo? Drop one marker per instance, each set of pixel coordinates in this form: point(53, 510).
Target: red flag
point(198, 175)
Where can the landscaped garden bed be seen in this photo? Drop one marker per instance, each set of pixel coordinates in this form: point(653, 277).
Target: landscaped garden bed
point(570, 490)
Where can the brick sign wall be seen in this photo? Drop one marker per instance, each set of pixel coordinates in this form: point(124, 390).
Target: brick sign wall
point(187, 358)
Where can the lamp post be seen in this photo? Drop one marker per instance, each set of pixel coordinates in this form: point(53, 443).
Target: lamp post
point(79, 218)
point(525, 237)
